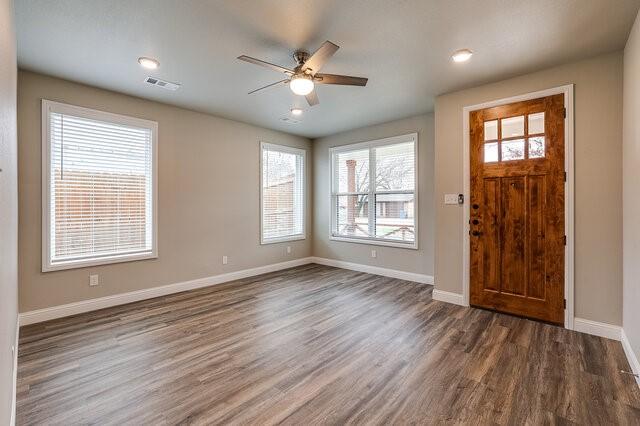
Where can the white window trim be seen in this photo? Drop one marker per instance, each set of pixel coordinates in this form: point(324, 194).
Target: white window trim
point(332, 182)
point(291, 150)
point(51, 106)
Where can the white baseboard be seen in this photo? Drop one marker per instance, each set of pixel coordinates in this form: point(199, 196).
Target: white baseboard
point(12, 422)
point(597, 328)
point(580, 324)
point(448, 297)
point(376, 270)
point(631, 356)
point(60, 311)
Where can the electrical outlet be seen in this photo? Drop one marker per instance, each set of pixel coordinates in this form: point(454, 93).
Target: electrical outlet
point(374, 253)
point(94, 280)
point(225, 260)
point(288, 249)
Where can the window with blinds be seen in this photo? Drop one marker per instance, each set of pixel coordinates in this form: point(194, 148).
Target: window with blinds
point(282, 193)
point(374, 196)
point(99, 187)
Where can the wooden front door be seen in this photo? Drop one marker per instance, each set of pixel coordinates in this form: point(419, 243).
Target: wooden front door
point(517, 208)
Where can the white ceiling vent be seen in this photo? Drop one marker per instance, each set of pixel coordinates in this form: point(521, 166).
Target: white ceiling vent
point(162, 83)
point(290, 120)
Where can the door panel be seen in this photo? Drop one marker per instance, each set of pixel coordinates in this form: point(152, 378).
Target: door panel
point(517, 208)
point(536, 240)
point(491, 233)
point(513, 235)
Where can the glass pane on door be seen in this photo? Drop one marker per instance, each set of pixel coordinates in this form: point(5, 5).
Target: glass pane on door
point(512, 127)
point(513, 150)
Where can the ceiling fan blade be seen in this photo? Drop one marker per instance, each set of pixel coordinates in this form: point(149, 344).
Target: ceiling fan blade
point(312, 98)
point(286, 80)
point(346, 80)
point(320, 57)
point(274, 67)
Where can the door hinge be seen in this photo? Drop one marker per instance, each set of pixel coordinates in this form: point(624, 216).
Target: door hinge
point(564, 238)
point(565, 303)
point(565, 176)
point(564, 112)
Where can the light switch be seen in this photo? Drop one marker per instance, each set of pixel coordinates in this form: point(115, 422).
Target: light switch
point(453, 199)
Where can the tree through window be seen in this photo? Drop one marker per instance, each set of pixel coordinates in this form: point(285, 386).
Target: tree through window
point(383, 210)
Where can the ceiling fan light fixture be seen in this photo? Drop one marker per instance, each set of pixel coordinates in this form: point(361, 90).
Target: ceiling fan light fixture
point(462, 55)
point(301, 85)
point(148, 63)
point(296, 111)
point(305, 75)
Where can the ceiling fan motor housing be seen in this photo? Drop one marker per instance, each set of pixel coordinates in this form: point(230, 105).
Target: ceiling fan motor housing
point(300, 57)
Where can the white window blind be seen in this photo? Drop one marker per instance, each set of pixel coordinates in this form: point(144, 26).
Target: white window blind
point(282, 193)
point(99, 173)
point(374, 196)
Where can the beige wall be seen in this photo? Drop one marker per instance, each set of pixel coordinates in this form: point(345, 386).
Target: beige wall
point(598, 186)
point(8, 207)
point(201, 154)
point(631, 192)
point(418, 261)
point(208, 200)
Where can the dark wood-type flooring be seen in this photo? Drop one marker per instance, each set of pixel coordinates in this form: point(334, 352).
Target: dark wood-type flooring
point(316, 345)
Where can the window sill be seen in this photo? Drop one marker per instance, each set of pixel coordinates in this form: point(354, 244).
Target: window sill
point(375, 242)
point(282, 239)
point(107, 260)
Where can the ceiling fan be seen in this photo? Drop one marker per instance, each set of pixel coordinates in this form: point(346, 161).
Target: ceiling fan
point(305, 75)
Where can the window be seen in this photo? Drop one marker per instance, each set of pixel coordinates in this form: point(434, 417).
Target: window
point(382, 210)
point(282, 196)
point(509, 144)
point(99, 187)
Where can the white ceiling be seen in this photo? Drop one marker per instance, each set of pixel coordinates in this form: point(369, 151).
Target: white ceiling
point(402, 46)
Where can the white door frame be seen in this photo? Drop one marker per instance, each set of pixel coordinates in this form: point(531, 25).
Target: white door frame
point(567, 91)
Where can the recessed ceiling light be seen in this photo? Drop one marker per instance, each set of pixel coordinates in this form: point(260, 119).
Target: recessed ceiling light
point(301, 84)
point(296, 111)
point(462, 55)
point(148, 63)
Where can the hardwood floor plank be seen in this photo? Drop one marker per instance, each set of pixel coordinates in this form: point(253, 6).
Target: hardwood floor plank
point(316, 345)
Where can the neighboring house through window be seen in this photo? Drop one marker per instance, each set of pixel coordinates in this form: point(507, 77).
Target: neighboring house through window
point(380, 210)
point(282, 193)
point(99, 187)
